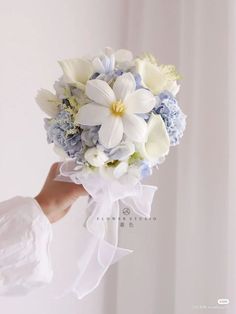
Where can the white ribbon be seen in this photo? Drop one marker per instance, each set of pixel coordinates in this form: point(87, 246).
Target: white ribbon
point(101, 245)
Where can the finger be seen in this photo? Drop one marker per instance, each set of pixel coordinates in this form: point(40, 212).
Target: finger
point(80, 189)
point(66, 210)
point(54, 170)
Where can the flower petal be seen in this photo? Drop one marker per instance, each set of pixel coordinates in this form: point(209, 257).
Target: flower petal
point(112, 63)
point(76, 70)
point(100, 92)
point(141, 101)
point(151, 75)
point(123, 55)
point(158, 142)
point(121, 169)
point(98, 66)
point(106, 63)
point(122, 151)
point(48, 102)
point(134, 127)
point(173, 87)
point(124, 85)
point(108, 51)
point(95, 157)
point(92, 114)
point(111, 132)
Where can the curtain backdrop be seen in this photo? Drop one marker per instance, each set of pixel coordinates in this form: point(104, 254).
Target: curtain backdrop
point(186, 262)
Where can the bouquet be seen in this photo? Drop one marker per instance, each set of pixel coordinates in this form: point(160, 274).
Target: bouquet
point(112, 118)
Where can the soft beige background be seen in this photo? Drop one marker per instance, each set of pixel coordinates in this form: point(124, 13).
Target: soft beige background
point(185, 261)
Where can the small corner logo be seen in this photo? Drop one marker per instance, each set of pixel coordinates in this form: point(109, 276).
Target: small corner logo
point(223, 301)
point(222, 304)
point(126, 211)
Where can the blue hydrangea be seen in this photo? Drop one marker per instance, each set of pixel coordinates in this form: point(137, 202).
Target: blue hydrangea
point(145, 169)
point(121, 152)
point(89, 136)
point(58, 133)
point(174, 119)
point(63, 119)
point(138, 80)
point(108, 77)
point(60, 87)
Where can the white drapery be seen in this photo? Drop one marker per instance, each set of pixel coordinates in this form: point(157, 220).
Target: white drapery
point(192, 264)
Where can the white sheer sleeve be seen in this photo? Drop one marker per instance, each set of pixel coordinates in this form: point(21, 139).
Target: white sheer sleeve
point(25, 236)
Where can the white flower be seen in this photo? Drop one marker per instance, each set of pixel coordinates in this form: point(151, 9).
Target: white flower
point(48, 102)
point(157, 143)
point(121, 169)
point(124, 173)
point(95, 157)
point(77, 71)
point(115, 110)
point(173, 87)
point(62, 89)
point(123, 56)
point(124, 59)
point(131, 176)
point(122, 151)
point(106, 63)
point(157, 78)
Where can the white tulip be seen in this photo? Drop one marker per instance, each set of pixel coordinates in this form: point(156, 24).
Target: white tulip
point(77, 71)
point(48, 102)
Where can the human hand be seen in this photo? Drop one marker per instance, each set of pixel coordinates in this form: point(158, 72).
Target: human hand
point(56, 197)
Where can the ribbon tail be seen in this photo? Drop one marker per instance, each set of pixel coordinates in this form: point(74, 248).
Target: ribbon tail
point(98, 254)
point(120, 253)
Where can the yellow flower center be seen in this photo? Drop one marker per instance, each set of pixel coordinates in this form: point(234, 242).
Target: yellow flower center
point(117, 108)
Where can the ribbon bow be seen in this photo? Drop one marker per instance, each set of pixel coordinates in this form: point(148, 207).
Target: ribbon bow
point(101, 245)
